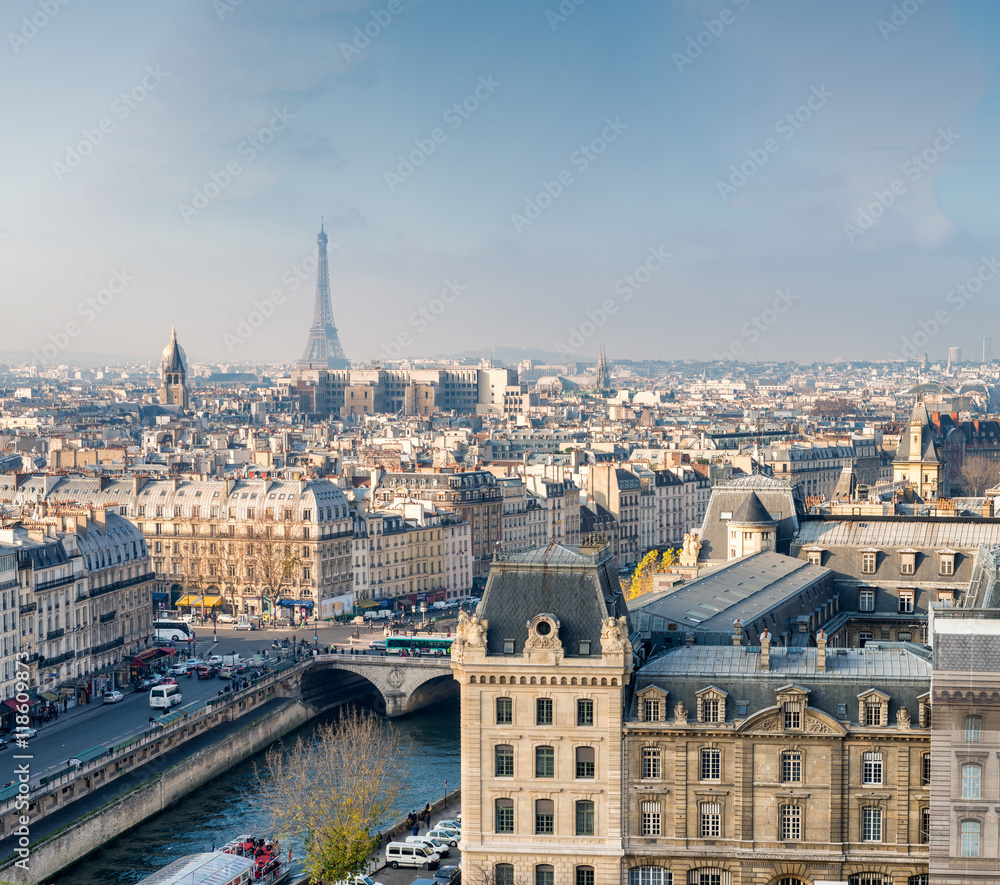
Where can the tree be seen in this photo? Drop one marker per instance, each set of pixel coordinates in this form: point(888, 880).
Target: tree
point(652, 563)
point(335, 790)
point(978, 474)
point(270, 558)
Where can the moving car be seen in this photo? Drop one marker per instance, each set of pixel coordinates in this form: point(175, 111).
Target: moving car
point(113, 697)
point(358, 880)
point(178, 669)
point(226, 673)
point(206, 671)
point(377, 644)
point(25, 732)
point(244, 625)
point(168, 680)
point(3, 744)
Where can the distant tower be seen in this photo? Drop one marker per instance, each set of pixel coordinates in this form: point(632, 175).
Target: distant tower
point(323, 348)
point(173, 374)
point(603, 376)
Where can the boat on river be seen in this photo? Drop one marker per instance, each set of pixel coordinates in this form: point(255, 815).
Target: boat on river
point(244, 861)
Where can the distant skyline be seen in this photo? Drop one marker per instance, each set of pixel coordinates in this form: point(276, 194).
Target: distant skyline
point(687, 179)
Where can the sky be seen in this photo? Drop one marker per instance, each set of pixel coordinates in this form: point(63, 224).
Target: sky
point(681, 179)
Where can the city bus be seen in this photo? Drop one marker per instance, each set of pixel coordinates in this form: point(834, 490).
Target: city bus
point(419, 645)
point(172, 631)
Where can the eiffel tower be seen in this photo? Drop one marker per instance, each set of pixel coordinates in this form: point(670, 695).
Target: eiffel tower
point(323, 349)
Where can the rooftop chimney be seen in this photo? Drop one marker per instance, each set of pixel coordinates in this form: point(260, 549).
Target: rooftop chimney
point(821, 652)
point(737, 630)
point(765, 651)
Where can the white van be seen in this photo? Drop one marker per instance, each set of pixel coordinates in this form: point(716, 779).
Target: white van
point(164, 696)
point(409, 854)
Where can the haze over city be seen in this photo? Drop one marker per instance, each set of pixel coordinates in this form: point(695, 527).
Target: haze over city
point(732, 158)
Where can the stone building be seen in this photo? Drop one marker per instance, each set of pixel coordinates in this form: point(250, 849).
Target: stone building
point(543, 668)
point(965, 748)
point(173, 374)
point(706, 765)
point(259, 544)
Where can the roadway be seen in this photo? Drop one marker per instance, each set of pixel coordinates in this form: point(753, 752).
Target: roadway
point(95, 724)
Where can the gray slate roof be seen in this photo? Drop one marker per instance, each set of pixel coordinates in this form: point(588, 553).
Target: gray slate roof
point(781, 501)
point(578, 587)
point(902, 675)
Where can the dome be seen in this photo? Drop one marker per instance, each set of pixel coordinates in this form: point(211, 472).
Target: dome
point(174, 359)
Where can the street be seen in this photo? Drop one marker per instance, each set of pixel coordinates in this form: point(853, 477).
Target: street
point(95, 724)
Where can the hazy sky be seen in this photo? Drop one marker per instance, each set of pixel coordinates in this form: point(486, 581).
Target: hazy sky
point(522, 157)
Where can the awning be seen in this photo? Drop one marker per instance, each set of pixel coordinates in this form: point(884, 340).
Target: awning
point(151, 655)
point(92, 753)
point(16, 705)
point(296, 603)
point(190, 601)
point(160, 596)
point(367, 603)
point(49, 696)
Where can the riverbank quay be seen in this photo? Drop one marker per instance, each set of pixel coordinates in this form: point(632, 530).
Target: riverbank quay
point(69, 834)
point(59, 801)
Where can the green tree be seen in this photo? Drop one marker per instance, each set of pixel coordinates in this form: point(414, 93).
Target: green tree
point(335, 790)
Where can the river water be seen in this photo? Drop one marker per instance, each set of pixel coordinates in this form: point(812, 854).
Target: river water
point(221, 810)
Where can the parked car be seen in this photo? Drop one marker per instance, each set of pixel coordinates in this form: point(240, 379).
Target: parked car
point(113, 697)
point(178, 670)
point(168, 680)
point(449, 875)
point(358, 880)
point(245, 625)
point(445, 834)
point(226, 619)
point(206, 671)
point(3, 744)
point(454, 823)
point(438, 845)
point(25, 732)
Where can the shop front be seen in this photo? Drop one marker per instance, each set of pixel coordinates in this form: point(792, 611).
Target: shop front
point(144, 663)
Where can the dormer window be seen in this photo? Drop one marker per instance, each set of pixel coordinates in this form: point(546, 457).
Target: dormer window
point(815, 556)
point(792, 714)
point(907, 562)
point(946, 563)
point(792, 701)
point(868, 562)
point(711, 705)
point(873, 708)
point(652, 704)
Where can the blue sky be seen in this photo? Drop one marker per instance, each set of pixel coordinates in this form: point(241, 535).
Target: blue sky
point(643, 108)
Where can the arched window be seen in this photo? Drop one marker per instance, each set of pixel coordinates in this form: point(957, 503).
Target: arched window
point(789, 880)
point(544, 874)
point(866, 879)
point(503, 874)
point(971, 831)
point(649, 876)
point(584, 876)
point(708, 877)
point(919, 879)
point(871, 768)
point(545, 817)
point(504, 809)
point(504, 758)
point(971, 781)
point(545, 762)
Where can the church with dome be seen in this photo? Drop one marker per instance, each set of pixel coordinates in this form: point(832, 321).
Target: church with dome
point(173, 374)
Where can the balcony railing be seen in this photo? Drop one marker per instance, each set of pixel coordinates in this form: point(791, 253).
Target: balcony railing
point(55, 582)
point(55, 634)
point(109, 616)
point(107, 646)
point(29, 608)
point(121, 585)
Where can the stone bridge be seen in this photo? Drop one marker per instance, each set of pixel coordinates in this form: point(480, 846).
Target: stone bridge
point(392, 685)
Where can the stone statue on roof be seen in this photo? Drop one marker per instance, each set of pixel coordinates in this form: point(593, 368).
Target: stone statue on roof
point(614, 636)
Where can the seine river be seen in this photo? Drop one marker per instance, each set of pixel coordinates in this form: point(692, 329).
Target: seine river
point(220, 811)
